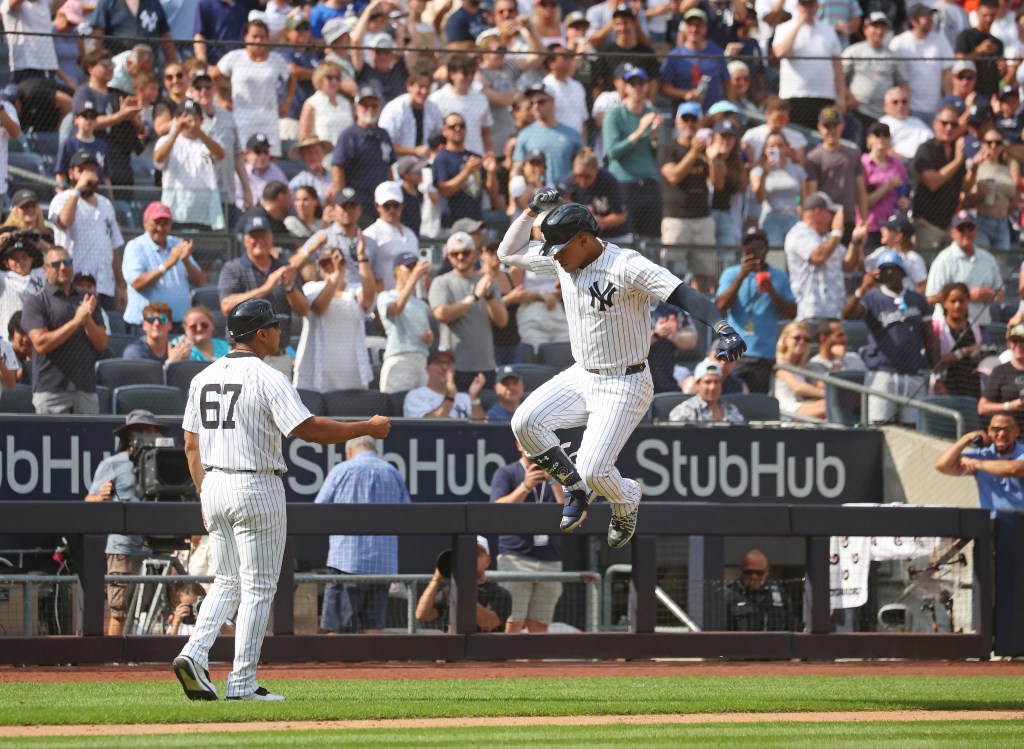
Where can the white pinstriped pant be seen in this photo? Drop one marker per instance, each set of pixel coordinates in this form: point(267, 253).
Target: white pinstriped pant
point(245, 514)
point(609, 406)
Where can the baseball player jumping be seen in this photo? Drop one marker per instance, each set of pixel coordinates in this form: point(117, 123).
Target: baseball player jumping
point(237, 410)
point(607, 292)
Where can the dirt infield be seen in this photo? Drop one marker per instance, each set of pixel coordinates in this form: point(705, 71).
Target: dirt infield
point(521, 670)
point(448, 723)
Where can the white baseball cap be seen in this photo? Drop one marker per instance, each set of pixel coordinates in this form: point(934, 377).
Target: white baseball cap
point(483, 544)
point(388, 191)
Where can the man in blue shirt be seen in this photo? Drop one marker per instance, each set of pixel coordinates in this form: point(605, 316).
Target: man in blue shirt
point(465, 24)
point(363, 478)
point(756, 296)
point(694, 71)
point(158, 268)
point(901, 343)
point(218, 20)
point(458, 174)
point(559, 143)
point(508, 386)
point(364, 153)
point(997, 467)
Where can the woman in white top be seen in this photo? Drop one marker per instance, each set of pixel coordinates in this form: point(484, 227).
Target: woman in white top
point(256, 73)
point(332, 351)
point(328, 111)
point(794, 393)
point(306, 221)
point(779, 184)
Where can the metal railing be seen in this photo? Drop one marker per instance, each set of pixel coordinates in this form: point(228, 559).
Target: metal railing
point(663, 597)
point(865, 391)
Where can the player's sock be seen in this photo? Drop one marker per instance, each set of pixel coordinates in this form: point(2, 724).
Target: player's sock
point(559, 466)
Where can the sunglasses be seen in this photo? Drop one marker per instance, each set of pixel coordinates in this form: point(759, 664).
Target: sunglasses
point(688, 118)
point(392, 205)
point(456, 126)
point(157, 318)
point(966, 227)
point(994, 142)
point(460, 253)
point(174, 76)
point(203, 87)
point(947, 123)
point(261, 151)
point(966, 76)
point(65, 263)
point(539, 102)
point(755, 573)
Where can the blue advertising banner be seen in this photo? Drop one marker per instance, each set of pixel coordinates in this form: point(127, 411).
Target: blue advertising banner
point(55, 457)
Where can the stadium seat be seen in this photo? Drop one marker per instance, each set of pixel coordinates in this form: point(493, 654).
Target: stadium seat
point(944, 426)
point(117, 323)
point(856, 334)
point(397, 402)
point(557, 355)
point(17, 401)
point(34, 164)
point(115, 373)
point(357, 403)
point(118, 342)
point(663, 403)
point(290, 168)
point(179, 374)
point(375, 346)
point(105, 395)
point(755, 406)
point(535, 375)
point(143, 171)
point(843, 406)
point(160, 399)
point(488, 398)
point(313, 400)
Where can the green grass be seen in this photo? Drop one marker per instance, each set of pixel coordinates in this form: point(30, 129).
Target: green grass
point(884, 735)
point(163, 702)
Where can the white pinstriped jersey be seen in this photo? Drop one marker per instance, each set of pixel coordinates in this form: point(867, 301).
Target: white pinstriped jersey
point(240, 407)
point(607, 304)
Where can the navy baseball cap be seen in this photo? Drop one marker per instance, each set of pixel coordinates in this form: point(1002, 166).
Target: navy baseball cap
point(503, 373)
point(83, 157)
point(899, 222)
point(255, 222)
point(405, 258)
point(345, 195)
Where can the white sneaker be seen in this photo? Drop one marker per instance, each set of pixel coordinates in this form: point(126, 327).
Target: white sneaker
point(260, 695)
point(194, 680)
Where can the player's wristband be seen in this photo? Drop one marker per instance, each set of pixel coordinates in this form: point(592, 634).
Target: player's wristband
point(717, 327)
point(1006, 406)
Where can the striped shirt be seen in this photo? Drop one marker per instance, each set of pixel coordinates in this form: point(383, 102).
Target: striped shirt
point(607, 303)
point(240, 407)
point(369, 480)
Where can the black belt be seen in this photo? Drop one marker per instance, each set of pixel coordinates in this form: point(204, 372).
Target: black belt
point(632, 369)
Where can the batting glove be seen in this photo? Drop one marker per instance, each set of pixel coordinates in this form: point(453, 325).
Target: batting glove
point(730, 346)
point(545, 199)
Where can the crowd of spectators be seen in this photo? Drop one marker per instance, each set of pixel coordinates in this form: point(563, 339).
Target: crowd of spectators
point(859, 142)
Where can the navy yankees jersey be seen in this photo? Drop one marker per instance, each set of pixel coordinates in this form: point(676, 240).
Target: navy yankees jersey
point(240, 407)
point(607, 304)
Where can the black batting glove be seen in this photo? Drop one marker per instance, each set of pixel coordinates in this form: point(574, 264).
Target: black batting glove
point(545, 199)
point(730, 346)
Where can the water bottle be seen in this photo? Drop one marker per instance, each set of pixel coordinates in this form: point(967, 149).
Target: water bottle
point(702, 87)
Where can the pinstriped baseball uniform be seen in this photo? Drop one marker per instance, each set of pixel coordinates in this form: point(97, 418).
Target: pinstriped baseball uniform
point(239, 406)
point(607, 305)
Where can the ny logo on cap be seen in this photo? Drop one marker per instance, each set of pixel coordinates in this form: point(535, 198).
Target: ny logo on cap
point(257, 222)
point(602, 298)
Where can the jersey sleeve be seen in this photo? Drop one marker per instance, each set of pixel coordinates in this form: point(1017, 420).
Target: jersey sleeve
point(283, 401)
point(518, 251)
point(653, 280)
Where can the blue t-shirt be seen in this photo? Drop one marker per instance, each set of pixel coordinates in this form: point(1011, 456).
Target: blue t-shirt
point(365, 154)
point(754, 315)
point(71, 145)
point(685, 68)
point(465, 27)
point(504, 481)
point(559, 144)
point(467, 202)
point(218, 21)
point(321, 14)
point(994, 492)
point(894, 331)
point(498, 414)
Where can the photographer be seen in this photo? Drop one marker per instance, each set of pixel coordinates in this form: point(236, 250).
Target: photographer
point(114, 481)
point(494, 603)
point(186, 598)
point(997, 463)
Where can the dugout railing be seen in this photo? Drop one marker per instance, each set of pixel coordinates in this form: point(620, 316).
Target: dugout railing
point(463, 521)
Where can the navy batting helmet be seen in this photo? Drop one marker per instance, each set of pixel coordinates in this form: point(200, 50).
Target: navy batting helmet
point(563, 224)
point(252, 315)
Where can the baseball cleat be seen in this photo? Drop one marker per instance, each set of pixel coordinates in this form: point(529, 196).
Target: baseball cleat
point(260, 695)
point(194, 680)
point(621, 530)
point(574, 511)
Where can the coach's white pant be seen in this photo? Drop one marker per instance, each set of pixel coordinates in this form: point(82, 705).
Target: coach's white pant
point(610, 406)
point(245, 514)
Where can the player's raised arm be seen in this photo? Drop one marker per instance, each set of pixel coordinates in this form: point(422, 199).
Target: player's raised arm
point(516, 241)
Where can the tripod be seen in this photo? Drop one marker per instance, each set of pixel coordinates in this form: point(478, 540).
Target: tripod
point(150, 621)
